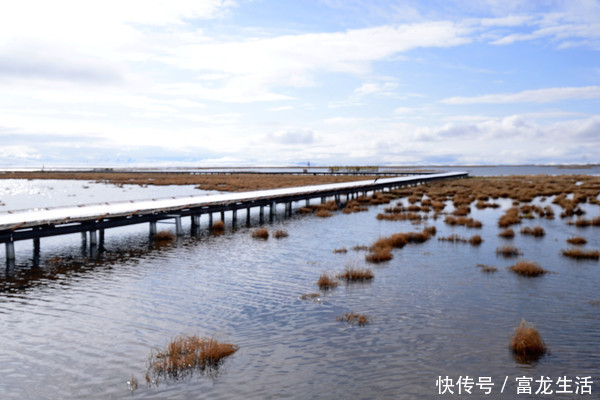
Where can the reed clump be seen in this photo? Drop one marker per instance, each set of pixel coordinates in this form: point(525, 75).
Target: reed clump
point(323, 213)
point(508, 251)
point(577, 240)
point(280, 234)
point(475, 240)
point(507, 233)
point(351, 274)
point(326, 282)
point(487, 268)
point(536, 231)
point(341, 250)
point(510, 217)
point(260, 233)
point(465, 221)
point(164, 236)
point(580, 254)
point(185, 354)
point(528, 268)
point(354, 319)
point(218, 228)
point(526, 343)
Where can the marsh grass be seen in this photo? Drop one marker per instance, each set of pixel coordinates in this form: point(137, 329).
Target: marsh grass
point(577, 240)
point(311, 296)
point(341, 250)
point(323, 213)
point(528, 268)
point(507, 233)
point(487, 268)
point(185, 354)
point(164, 236)
point(454, 238)
point(280, 234)
point(218, 228)
point(475, 240)
point(260, 233)
point(536, 231)
point(527, 344)
point(326, 282)
point(352, 274)
point(354, 319)
point(508, 251)
point(581, 254)
point(464, 221)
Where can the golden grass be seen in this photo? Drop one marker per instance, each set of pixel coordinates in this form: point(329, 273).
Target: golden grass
point(164, 236)
point(510, 217)
point(354, 319)
point(577, 240)
point(326, 282)
point(475, 240)
point(379, 255)
point(468, 222)
point(508, 251)
point(528, 268)
point(351, 274)
point(507, 233)
point(536, 231)
point(260, 233)
point(323, 213)
point(184, 354)
point(487, 268)
point(526, 343)
point(581, 254)
point(218, 227)
point(280, 233)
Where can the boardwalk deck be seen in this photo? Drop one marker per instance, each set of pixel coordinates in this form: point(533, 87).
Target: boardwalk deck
point(37, 223)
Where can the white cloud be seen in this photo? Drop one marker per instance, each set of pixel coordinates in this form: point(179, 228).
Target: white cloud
point(547, 95)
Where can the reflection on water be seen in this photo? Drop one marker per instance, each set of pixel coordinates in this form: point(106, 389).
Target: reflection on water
point(80, 325)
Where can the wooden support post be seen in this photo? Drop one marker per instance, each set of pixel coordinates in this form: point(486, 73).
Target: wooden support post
point(323, 200)
point(248, 216)
point(262, 214)
point(272, 211)
point(36, 252)
point(195, 223)
point(234, 217)
point(210, 220)
point(93, 239)
point(223, 216)
point(101, 239)
point(10, 251)
point(307, 202)
point(152, 228)
point(178, 228)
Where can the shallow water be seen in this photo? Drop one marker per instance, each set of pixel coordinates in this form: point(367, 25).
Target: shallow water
point(81, 330)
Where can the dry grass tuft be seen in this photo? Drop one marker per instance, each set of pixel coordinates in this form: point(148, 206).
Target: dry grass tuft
point(536, 231)
point(507, 234)
point(577, 240)
point(341, 250)
point(453, 238)
point(475, 240)
point(326, 282)
point(379, 255)
point(185, 354)
point(260, 233)
point(218, 228)
point(508, 251)
point(323, 213)
point(468, 222)
point(280, 233)
point(528, 268)
point(526, 343)
point(582, 254)
point(487, 268)
point(356, 274)
point(164, 236)
point(360, 248)
point(354, 319)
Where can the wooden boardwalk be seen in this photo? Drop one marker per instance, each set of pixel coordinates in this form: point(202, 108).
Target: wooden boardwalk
point(89, 219)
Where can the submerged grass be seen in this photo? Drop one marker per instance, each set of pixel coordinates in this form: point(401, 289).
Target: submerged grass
point(577, 240)
point(351, 274)
point(536, 231)
point(326, 282)
point(487, 268)
point(527, 344)
point(508, 251)
point(582, 254)
point(528, 268)
point(185, 354)
point(354, 318)
point(280, 233)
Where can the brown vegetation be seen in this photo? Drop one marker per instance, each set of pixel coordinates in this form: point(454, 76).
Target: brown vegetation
point(475, 240)
point(260, 233)
point(536, 231)
point(528, 268)
point(468, 222)
point(507, 233)
point(218, 227)
point(487, 268)
point(508, 251)
point(323, 213)
point(453, 238)
point(351, 274)
point(280, 233)
point(354, 318)
point(185, 354)
point(577, 240)
point(341, 250)
point(164, 236)
point(310, 296)
point(526, 343)
point(581, 254)
point(326, 282)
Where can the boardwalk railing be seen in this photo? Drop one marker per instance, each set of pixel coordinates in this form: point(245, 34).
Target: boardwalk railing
point(38, 223)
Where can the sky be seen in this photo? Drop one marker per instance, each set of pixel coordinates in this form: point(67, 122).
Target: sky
point(288, 82)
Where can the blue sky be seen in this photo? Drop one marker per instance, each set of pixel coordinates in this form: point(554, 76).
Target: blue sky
point(259, 82)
